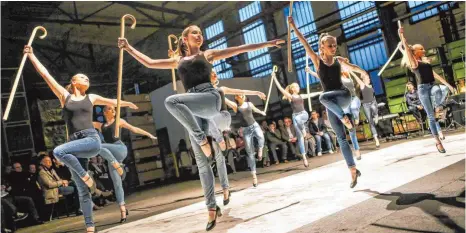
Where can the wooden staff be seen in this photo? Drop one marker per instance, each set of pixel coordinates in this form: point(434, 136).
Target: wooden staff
point(171, 36)
point(20, 70)
point(120, 72)
point(391, 57)
point(290, 66)
point(307, 84)
point(275, 68)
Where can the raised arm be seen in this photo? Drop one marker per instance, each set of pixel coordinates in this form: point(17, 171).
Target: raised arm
point(57, 89)
point(314, 57)
point(254, 109)
point(135, 129)
point(99, 100)
point(231, 104)
point(232, 91)
point(442, 80)
point(352, 67)
point(148, 62)
point(407, 51)
point(308, 70)
point(283, 91)
point(219, 54)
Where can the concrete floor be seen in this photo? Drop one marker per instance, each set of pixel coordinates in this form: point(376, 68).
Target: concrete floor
point(406, 185)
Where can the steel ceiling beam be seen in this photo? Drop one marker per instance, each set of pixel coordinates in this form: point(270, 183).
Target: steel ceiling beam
point(186, 14)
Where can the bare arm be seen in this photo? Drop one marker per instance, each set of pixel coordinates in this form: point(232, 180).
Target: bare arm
point(99, 100)
point(232, 91)
point(442, 80)
point(279, 86)
point(254, 109)
point(97, 125)
point(148, 62)
point(352, 67)
point(314, 57)
point(311, 95)
point(412, 62)
point(231, 104)
point(219, 54)
point(308, 70)
point(135, 129)
point(57, 89)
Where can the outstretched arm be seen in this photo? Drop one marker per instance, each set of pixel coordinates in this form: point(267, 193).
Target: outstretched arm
point(148, 62)
point(57, 89)
point(310, 95)
point(412, 62)
point(442, 80)
point(232, 91)
point(352, 67)
point(135, 129)
point(219, 54)
point(314, 57)
point(254, 109)
point(99, 100)
point(283, 91)
point(97, 125)
point(308, 70)
point(231, 104)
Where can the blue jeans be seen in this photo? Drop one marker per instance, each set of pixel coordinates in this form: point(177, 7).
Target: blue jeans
point(65, 191)
point(206, 174)
point(83, 144)
point(249, 133)
point(335, 101)
point(299, 121)
point(115, 153)
point(327, 140)
point(371, 111)
point(202, 101)
point(428, 95)
point(353, 109)
point(438, 94)
point(339, 129)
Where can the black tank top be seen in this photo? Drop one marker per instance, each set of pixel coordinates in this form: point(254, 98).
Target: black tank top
point(78, 114)
point(330, 76)
point(222, 96)
point(424, 73)
point(297, 104)
point(367, 94)
point(109, 133)
point(247, 118)
point(194, 71)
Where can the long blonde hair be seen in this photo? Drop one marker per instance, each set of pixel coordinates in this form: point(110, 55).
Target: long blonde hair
point(182, 48)
point(288, 89)
point(322, 38)
point(405, 60)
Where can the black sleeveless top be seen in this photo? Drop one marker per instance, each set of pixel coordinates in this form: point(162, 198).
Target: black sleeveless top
point(330, 76)
point(194, 71)
point(78, 114)
point(109, 133)
point(297, 104)
point(424, 73)
point(247, 119)
point(223, 107)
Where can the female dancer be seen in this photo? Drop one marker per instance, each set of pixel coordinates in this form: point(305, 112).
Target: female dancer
point(352, 109)
point(84, 140)
point(300, 116)
point(431, 96)
point(201, 100)
point(115, 151)
point(335, 96)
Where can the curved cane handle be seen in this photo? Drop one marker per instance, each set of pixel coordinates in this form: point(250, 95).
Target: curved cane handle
point(123, 20)
point(34, 34)
point(170, 37)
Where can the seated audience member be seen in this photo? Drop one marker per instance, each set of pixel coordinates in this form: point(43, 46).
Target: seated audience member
point(19, 203)
point(289, 135)
point(52, 186)
point(318, 129)
point(33, 187)
point(10, 216)
point(18, 180)
point(265, 150)
point(240, 145)
point(309, 142)
point(230, 153)
point(414, 103)
point(274, 138)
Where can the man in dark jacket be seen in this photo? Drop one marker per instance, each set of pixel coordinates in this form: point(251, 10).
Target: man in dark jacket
point(318, 129)
point(274, 139)
point(289, 135)
point(414, 103)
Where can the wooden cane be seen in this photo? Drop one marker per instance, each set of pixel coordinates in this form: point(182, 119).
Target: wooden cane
point(275, 68)
point(171, 36)
point(307, 85)
point(20, 70)
point(391, 57)
point(290, 66)
point(120, 72)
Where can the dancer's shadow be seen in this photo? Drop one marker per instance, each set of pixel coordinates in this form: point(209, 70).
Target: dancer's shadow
point(401, 201)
